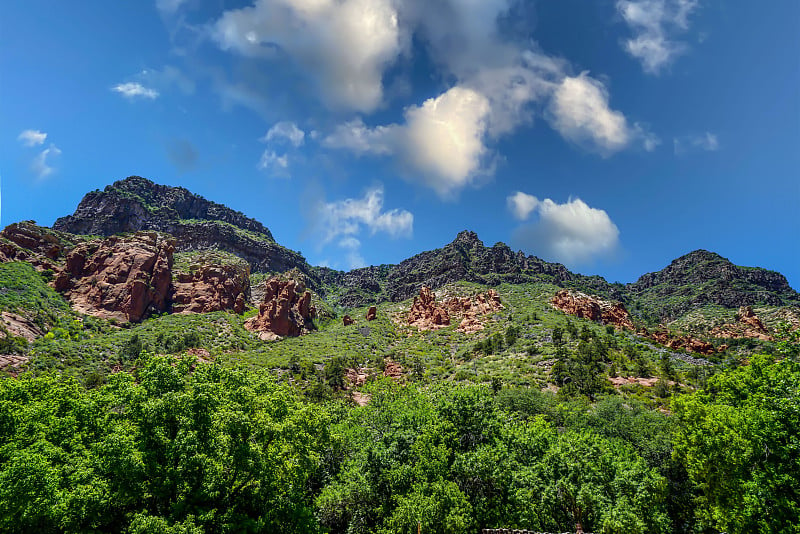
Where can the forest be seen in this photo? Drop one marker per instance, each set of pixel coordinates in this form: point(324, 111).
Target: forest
point(178, 446)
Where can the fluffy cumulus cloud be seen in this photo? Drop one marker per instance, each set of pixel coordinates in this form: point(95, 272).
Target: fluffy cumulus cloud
point(521, 205)
point(497, 79)
point(573, 233)
point(284, 136)
point(345, 45)
point(581, 114)
point(443, 139)
point(653, 23)
point(132, 90)
point(342, 221)
point(31, 138)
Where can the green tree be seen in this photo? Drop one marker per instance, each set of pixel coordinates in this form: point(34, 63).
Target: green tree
point(739, 440)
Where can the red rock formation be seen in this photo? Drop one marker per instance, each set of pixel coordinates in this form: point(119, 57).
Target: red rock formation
point(425, 313)
point(372, 313)
point(682, 341)
point(747, 325)
point(285, 311)
point(41, 247)
point(122, 278)
point(211, 288)
point(347, 320)
point(592, 308)
point(392, 369)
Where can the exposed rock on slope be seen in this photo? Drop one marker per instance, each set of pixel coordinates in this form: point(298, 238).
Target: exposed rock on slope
point(285, 311)
point(426, 313)
point(41, 247)
point(136, 203)
point(122, 278)
point(592, 308)
point(211, 288)
point(747, 325)
point(682, 341)
point(197, 224)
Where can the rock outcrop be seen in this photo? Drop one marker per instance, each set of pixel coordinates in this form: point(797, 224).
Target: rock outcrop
point(41, 247)
point(372, 313)
point(122, 278)
point(347, 320)
point(285, 311)
point(426, 313)
point(593, 308)
point(472, 311)
point(211, 288)
point(747, 325)
point(682, 341)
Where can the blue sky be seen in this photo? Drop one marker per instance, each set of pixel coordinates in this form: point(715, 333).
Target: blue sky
point(612, 136)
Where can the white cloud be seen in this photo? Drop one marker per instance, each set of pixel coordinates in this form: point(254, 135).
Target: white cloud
point(580, 112)
point(707, 142)
point(343, 220)
point(521, 205)
point(573, 233)
point(653, 23)
point(441, 141)
point(347, 217)
point(270, 161)
point(32, 137)
point(285, 130)
point(343, 44)
point(135, 90)
point(40, 165)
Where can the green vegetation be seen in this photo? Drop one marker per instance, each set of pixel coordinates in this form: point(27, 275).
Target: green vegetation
point(178, 446)
point(189, 262)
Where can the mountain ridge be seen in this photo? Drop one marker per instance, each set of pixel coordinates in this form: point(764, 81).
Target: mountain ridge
point(693, 280)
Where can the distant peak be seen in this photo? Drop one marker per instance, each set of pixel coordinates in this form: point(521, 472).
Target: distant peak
point(467, 237)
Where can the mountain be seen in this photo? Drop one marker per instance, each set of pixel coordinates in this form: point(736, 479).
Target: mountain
point(465, 259)
point(701, 278)
point(135, 204)
point(690, 282)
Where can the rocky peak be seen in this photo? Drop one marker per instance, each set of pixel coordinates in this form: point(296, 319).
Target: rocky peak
point(467, 238)
point(136, 203)
point(702, 277)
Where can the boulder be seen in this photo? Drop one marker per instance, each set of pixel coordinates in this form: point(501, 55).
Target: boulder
point(347, 320)
point(747, 325)
point(372, 313)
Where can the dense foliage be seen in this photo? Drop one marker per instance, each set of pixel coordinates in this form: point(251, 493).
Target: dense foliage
point(177, 446)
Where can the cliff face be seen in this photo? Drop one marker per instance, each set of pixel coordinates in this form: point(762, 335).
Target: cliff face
point(135, 204)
